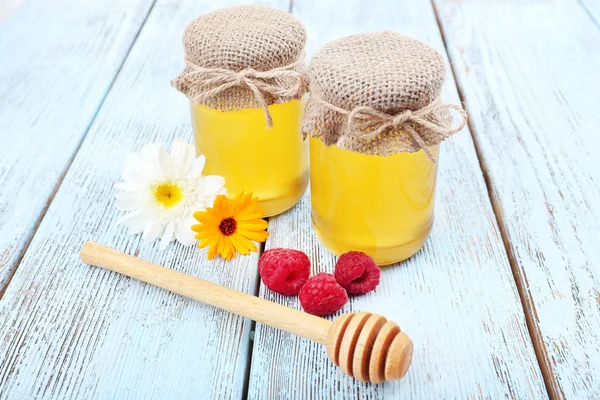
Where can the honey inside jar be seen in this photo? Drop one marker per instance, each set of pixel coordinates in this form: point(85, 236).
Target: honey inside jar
point(272, 163)
point(382, 206)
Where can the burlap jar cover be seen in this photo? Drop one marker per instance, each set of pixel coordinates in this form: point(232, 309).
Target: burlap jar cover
point(378, 93)
point(244, 57)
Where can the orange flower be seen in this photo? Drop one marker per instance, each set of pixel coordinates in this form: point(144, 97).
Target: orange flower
point(230, 226)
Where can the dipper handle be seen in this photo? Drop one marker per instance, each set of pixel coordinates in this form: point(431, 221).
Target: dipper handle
point(255, 308)
point(364, 345)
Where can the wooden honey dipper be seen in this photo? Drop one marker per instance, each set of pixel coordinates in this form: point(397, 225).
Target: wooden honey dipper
point(364, 345)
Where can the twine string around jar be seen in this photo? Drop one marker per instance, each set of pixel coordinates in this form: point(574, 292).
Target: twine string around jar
point(286, 82)
point(367, 123)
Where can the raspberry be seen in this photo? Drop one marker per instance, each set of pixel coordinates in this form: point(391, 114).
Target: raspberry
point(357, 272)
point(284, 271)
point(322, 295)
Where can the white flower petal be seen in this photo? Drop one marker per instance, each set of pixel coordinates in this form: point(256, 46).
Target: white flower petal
point(135, 221)
point(153, 229)
point(184, 233)
point(167, 236)
point(211, 185)
point(178, 148)
point(132, 160)
point(188, 159)
point(182, 156)
point(140, 169)
point(150, 152)
point(165, 162)
point(190, 220)
point(129, 201)
point(150, 164)
point(196, 170)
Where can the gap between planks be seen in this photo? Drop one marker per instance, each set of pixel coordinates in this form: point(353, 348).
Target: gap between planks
point(538, 344)
point(17, 263)
point(590, 11)
point(255, 292)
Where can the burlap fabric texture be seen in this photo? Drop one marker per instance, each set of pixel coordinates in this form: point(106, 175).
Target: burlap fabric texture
point(244, 57)
point(379, 93)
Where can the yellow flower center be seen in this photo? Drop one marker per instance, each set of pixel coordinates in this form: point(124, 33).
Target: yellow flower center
point(228, 226)
point(167, 194)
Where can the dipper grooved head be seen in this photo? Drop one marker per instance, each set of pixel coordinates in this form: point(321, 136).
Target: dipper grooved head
point(369, 347)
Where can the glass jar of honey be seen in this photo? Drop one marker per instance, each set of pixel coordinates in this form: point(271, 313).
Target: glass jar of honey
point(245, 78)
point(375, 121)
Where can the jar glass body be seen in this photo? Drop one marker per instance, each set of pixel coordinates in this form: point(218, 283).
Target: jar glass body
point(382, 206)
point(272, 163)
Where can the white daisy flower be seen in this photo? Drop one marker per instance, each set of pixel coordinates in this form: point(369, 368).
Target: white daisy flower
point(161, 191)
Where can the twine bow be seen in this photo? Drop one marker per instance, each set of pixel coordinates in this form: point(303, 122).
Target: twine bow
point(287, 82)
point(367, 123)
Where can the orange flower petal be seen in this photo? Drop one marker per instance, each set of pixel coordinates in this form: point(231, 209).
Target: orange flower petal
point(206, 217)
point(212, 251)
point(238, 196)
point(239, 202)
point(221, 245)
point(258, 236)
point(249, 207)
point(220, 204)
point(257, 214)
point(203, 242)
point(206, 230)
point(239, 248)
point(228, 250)
point(244, 242)
point(253, 224)
point(208, 240)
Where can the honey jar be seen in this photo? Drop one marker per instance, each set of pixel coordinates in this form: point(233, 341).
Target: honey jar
point(245, 78)
point(375, 121)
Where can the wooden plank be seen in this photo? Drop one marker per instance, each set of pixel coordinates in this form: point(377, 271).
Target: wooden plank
point(73, 331)
point(529, 72)
point(456, 298)
point(7, 7)
point(59, 59)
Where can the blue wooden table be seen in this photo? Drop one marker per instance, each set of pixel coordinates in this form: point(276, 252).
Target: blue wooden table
point(503, 301)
